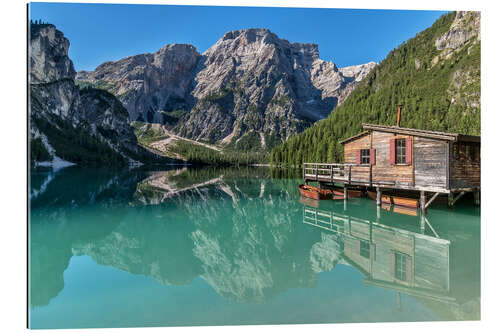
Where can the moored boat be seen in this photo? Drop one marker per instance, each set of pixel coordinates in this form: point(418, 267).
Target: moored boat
point(314, 192)
point(392, 199)
point(405, 202)
point(339, 192)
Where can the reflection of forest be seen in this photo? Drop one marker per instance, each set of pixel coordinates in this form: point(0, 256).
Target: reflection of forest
point(232, 232)
point(441, 274)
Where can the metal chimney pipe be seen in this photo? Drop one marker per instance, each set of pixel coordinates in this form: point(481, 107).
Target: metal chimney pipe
point(400, 106)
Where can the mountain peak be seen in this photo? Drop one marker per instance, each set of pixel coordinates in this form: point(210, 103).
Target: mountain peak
point(251, 34)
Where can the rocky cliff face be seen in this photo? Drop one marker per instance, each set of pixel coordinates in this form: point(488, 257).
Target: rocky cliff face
point(251, 86)
point(69, 124)
point(148, 85)
point(464, 34)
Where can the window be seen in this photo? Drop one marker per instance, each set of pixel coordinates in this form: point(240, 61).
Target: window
point(364, 249)
point(365, 156)
point(400, 151)
point(400, 266)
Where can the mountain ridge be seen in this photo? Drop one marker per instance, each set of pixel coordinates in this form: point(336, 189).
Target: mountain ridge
point(69, 125)
point(250, 85)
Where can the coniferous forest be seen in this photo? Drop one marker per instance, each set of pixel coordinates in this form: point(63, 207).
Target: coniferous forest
point(439, 90)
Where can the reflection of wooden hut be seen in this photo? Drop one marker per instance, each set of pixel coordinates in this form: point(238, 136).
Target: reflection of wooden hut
point(401, 260)
point(386, 254)
point(398, 256)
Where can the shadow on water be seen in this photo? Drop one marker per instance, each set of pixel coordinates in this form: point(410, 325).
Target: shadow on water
point(247, 233)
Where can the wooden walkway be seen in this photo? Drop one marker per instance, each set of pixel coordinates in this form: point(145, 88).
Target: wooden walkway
point(359, 175)
point(355, 175)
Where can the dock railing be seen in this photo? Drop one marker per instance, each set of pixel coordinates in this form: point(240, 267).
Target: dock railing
point(337, 172)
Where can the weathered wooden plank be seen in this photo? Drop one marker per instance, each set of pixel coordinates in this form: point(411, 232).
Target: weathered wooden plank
point(465, 170)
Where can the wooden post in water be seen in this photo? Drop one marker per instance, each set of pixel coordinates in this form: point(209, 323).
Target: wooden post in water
point(379, 196)
point(345, 193)
point(422, 224)
point(422, 202)
point(400, 308)
point(476, 198)
point(450, 199)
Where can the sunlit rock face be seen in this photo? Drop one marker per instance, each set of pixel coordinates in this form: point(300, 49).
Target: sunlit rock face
point(60, 111)
point(249, 83)
point(148, 84)
point(465, 26)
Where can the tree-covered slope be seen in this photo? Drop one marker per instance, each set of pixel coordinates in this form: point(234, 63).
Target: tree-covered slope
point(435, 75)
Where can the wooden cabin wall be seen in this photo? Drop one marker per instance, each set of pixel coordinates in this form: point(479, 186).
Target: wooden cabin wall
point(383, 171)
point(465, 171)
point(359, 173)
point(430, 161)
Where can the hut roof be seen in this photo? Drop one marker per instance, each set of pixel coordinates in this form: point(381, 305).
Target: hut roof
point(414, 132)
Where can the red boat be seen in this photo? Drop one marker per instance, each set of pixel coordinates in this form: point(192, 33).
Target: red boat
point(351, 193)
point(314, 192)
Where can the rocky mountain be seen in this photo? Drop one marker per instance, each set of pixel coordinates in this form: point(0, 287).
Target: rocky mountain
point(148, 85)
point(249, 89)
point(68, 124)
point(436, 76)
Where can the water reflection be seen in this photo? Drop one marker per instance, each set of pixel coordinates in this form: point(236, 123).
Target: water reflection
point(238, 234)
point(247, 235)
point(427, 267)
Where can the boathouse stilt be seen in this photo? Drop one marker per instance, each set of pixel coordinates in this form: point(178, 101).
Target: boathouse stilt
point(345, 193)
point(422, 202)
point(400, 307)
point(431, 200)
point(379, 196)
point(461, 194)
point(477, 201)
point(450, 199)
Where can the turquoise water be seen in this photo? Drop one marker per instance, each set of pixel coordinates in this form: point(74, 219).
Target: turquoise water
point(187, 247)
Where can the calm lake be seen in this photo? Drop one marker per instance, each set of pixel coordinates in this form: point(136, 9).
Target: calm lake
point(186, 247)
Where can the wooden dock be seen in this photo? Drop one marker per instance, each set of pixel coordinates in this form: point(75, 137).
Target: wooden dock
point(352, 176)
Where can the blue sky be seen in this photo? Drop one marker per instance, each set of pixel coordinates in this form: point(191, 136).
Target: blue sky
point(104, 32)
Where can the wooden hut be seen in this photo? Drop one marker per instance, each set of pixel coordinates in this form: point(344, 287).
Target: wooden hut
point(393, 157)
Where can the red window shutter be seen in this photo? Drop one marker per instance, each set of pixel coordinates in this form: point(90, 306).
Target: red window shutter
point(409, 152)
point(392, 151)
point(358, 157)
point(372, 156)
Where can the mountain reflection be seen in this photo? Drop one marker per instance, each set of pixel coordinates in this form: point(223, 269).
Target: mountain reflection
point(238, 230)
point(238, 234)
